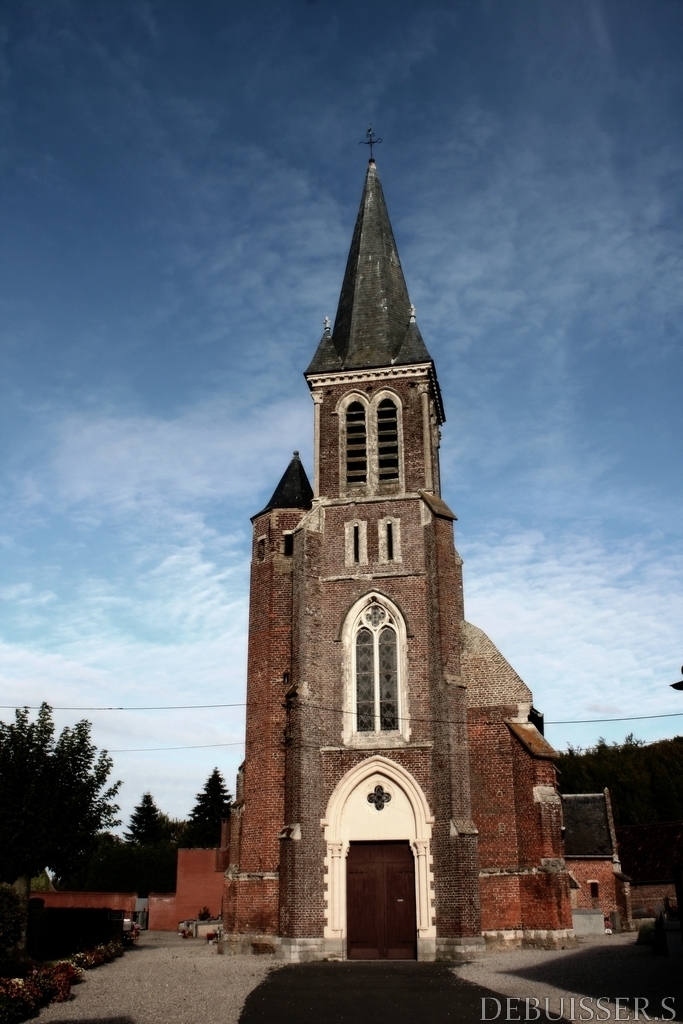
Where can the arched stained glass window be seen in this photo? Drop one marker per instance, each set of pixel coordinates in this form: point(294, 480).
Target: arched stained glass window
point(387, 440)
point(376, 672)
point(388, 680)
point(356, 444)
point(365, 681)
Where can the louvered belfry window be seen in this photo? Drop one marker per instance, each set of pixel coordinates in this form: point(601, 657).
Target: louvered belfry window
point(376, 672)
point(356, 445)
point(387, 440)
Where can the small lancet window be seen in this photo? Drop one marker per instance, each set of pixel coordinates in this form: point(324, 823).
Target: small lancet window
point(365, 681)
point(376, 673)
point(356, 544)
point(356, 445)
point(387, 440)
point(390, 542)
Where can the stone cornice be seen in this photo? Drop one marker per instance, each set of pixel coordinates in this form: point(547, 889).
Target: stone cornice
point(320, 380)
point(378, 373)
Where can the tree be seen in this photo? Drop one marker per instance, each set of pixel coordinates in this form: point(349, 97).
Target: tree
point(146, 825)
point(213, 803)
point(11, 920)
point(144, 861)
point(118, 866)
point(645, 780)
point(53, 800)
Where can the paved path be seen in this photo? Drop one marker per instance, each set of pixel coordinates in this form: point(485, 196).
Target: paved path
point(610, 966)
point(401, 992)
point(166, 980)
point(365, 992)
point(163, 980)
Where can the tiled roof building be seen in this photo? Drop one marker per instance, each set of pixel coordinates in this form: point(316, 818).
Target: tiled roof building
point(593, 858)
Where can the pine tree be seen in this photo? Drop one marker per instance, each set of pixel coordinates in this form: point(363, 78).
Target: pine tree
point(213, 803)
point(147, 826)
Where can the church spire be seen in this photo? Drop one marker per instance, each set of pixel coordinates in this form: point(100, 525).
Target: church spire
point(293, 491)
point(375, 324)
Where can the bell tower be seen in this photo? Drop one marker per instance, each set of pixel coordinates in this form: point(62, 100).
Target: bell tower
point(354, 833)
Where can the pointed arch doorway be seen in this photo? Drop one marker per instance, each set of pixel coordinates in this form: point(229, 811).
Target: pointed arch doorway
point(378, 831)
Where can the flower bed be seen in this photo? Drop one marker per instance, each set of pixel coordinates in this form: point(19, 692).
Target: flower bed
point(99, 955)
point(21, 998)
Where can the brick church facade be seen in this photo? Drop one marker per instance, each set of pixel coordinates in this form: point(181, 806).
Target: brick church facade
point(395, 800)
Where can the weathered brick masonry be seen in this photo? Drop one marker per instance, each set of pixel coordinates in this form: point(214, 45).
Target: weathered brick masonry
point(371, 547)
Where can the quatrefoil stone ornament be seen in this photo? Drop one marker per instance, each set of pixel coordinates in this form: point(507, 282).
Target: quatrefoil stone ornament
point(376, 615)
point(379, 798)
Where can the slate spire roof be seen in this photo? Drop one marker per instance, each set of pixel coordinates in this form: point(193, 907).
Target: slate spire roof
point(293, 491)
point(375, 323)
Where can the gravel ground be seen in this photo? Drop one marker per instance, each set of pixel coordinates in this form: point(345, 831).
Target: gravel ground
point(611, 966)
point(162, 980)
point(166, 979)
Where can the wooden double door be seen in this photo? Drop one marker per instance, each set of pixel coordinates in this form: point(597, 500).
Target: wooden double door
point(380, 902)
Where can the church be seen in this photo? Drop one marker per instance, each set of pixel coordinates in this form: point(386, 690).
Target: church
point(397, 799)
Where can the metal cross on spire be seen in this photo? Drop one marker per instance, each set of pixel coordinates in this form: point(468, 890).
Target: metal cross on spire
point(370, 140)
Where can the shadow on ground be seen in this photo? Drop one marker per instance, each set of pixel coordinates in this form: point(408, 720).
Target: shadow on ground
point(399, 992)
point(97, 1020)
point(628, 971)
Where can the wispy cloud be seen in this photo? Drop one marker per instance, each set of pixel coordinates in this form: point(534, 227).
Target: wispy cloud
point(593, 628)
point(182, 194)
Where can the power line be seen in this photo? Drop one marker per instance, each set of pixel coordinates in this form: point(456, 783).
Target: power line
point(161, 707)
point(633, 718)
point(315, 707)
point(189, 746)
point(448, 721)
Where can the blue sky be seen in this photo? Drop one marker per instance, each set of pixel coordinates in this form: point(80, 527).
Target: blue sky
point(179, 185)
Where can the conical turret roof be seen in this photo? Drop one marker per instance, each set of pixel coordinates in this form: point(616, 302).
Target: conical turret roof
point(374, 325)
point(293, 491)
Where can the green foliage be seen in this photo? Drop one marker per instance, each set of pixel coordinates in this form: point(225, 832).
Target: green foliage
point(117, 866)
point(149, 826)
point(11, 919)
point(213, 803)
point(146, 825)
point(645, 781)
point(143, 862)
point(53, 799)
point(41, 883)
point(646, 934)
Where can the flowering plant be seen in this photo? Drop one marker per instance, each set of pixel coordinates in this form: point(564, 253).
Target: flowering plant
point(21, 998)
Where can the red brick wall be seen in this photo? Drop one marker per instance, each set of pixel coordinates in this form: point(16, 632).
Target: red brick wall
point(331, 431)
point(516, 833)
point(295, 752)
point(651, 896)
point(162, 912)
point(112, 900)
point(426, 586)
point(254, 842)
point(600, 871)
point(251, 906)
point(198, 885)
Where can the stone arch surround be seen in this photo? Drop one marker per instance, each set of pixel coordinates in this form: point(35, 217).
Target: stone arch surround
point(350, 817)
